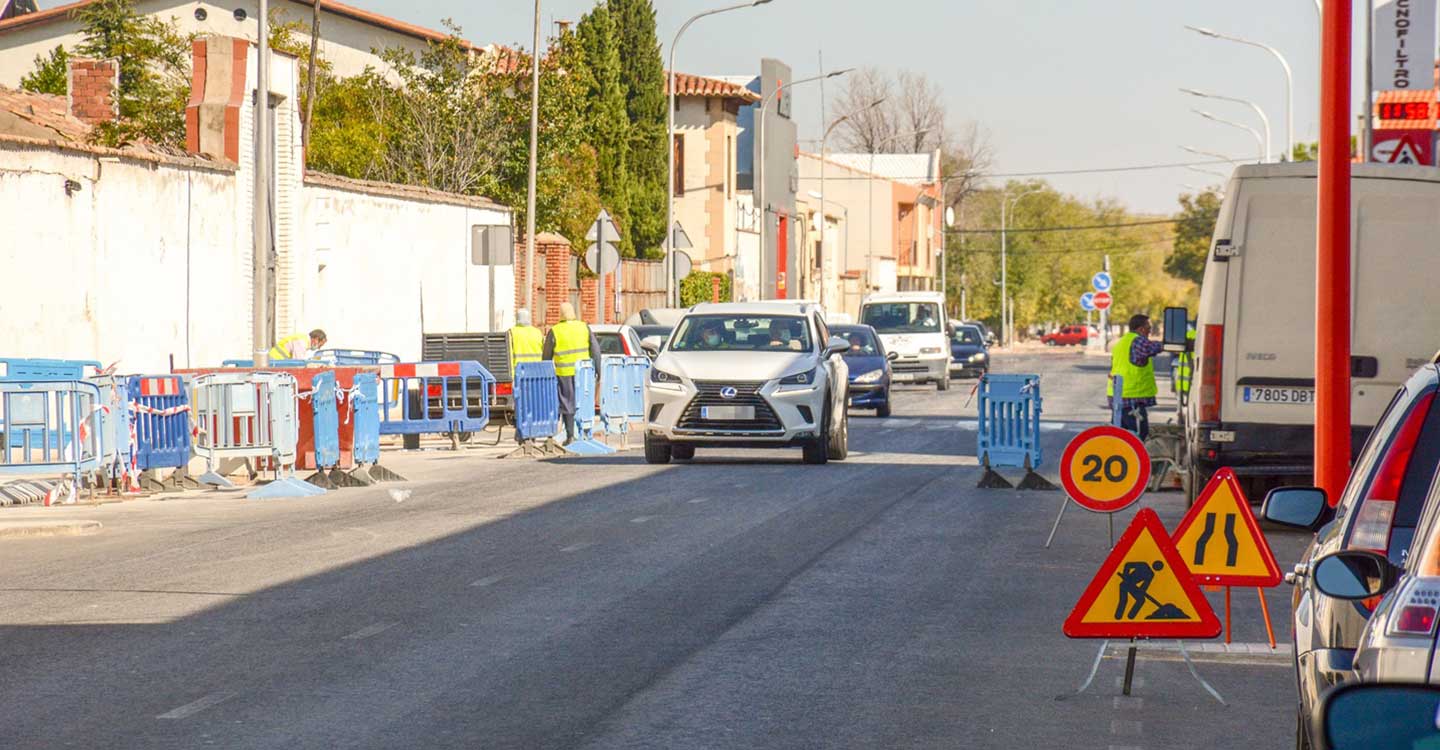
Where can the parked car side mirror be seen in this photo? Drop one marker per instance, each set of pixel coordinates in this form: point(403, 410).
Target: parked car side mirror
point(892, 356)
point(1296, 507)
point(1177, 324)
point(1354, 574)
point(651, 345)
point(1365, 715)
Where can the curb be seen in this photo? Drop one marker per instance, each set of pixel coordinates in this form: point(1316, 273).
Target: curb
point(43, 528)
point(1235, 653)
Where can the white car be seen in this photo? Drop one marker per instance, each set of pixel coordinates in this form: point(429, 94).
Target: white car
point(749, 375)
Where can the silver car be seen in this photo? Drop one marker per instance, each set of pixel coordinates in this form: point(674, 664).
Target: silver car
point(751, 375)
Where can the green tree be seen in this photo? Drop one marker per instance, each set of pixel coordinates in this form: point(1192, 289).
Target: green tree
point(607, 122)
point(349, 134)
point(1195, 224)
point(698, 287)
point(154, 58)
point(643, 73)
point(51, 74)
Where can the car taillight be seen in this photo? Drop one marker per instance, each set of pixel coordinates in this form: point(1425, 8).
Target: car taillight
point(1211, 368)
point(504, 389)
point(1377, 513)
point(1416, 611)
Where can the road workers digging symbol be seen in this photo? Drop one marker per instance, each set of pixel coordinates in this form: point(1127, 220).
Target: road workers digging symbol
point(1220, 541)
point(1143, 590)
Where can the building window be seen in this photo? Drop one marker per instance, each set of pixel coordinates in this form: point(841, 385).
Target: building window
point(729, 166)
point(679, 147)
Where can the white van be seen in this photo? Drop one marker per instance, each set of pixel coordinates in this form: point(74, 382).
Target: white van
point(1251, 405)
point(912, 325)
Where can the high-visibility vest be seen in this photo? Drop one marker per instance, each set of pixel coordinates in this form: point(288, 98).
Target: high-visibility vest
point(526, 345)
point(281, 349)
point(1184, 365)
point(1138, 382)
point(572, 344)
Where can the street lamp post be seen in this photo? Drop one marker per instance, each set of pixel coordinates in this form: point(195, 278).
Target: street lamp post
point(531, 169)
point(1259, 142)
point(758, 190)
point(1289, 81)
point(1006, 202)
point(1265, 121)
point(670, 140)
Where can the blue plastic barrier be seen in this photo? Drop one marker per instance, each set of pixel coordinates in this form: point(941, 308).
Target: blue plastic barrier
point(160, 407)
point(17, 368)
point(537, 400)
point(622, 397)
point(356, 357)
point(326, 420)
point(435, 397)
point(365, 406)
point(586, 418)
point(1117, 400)
point(639, 370)
point(273, 363)
point(49, 427)
point(1009, 433)
point(116, 445)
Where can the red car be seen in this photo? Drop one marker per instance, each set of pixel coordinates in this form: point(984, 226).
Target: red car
point(1068, 336)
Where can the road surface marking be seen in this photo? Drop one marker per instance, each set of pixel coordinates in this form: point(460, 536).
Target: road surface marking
point(1131, 702)
point(696, 500)
point(577, 547)
point(642, 519)
point(369, 630)
point(1123, 727)
point(488, 581)
point(195, 707)
point(1138, 682)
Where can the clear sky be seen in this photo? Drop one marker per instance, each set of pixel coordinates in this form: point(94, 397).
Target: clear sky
point(1056, 84)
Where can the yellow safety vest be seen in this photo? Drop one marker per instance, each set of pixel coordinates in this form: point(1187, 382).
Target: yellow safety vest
point(1184, 366)
point(526, 345)
point(572, 344)
point(1138, 382)
point(281, 349)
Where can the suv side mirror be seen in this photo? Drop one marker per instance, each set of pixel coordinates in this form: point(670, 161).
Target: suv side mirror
point(836, 345)
point(651, 345)
point(1296, 507)
point(1177, 325)
point(1354, 574)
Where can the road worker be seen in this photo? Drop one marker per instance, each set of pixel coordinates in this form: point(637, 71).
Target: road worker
point(527, 342)
point(1185, 366)
point(298, 345)
point(1133, 359)
point(570, 341)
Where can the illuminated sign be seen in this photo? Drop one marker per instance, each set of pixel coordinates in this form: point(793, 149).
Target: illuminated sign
point(1405, 110)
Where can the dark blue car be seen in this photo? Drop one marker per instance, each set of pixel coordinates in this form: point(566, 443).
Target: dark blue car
point(869, 368)
point(969, 356)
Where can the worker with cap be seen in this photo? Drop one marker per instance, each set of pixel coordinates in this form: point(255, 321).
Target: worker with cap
point(569, 342)
point(527, 342)
point(1133, 359)
point(298, 345)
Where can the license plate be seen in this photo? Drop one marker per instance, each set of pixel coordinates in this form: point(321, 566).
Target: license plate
point(903, 377)
point(1271, 395)
point(727, 413)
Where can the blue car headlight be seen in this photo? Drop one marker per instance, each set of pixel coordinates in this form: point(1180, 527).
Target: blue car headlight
point(799, 378)
point(980, 357)
point(870, 377)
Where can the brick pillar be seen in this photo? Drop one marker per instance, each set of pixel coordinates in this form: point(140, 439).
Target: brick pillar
point(589, 289)
point(557, 280)
point(94, 89)
point(217, 91)
point(714, 288)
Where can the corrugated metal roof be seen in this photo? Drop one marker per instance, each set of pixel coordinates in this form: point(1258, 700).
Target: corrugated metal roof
point(912, 169)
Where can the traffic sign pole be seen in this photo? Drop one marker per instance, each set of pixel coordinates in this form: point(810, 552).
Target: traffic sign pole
point(1103, 469)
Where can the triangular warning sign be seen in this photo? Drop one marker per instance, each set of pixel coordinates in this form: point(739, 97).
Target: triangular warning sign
point(1405, 153)
point(1220, 541)
point(1143, 591)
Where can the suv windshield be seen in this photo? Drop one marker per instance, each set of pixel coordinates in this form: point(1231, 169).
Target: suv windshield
point(967, 336)
point(728, 333)
point(902, 317)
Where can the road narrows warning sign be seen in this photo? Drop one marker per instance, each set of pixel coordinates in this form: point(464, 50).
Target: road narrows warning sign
point(1143, 590)
point(1220, 541)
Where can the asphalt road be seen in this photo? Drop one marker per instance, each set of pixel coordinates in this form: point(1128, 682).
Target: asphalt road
point(740, 601)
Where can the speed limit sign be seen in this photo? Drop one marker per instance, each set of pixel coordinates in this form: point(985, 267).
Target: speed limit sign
point(1105, 469)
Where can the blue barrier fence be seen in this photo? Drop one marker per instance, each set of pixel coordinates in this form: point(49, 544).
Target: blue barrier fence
point(273, 363)
point(435, 397)
point(326, 421)
point(1009, 433)
point(622, 396)
point(160, 407)
point(585, 417)
point(18, 368)
point(116, 447)
point(537, 400)
point(365, 406)
point(49, 427)
point(351, 357)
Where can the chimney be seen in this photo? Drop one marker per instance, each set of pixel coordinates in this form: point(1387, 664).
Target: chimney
point(93, 93)
point(217, 91)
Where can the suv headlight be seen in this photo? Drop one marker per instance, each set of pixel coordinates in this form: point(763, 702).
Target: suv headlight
point(930, 350)
point(870, 377)
point(658, 375)
point(799, 378)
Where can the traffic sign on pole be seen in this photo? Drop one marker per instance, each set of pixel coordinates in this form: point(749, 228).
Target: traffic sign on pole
point(1101, 281)
point(1220, 541)
point(1105, 469)
point(1087, 301)
point(1143, 590)
point(1103, 300)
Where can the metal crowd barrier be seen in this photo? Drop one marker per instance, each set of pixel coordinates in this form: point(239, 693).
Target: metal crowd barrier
point(537, 401)
point(116, 445)
point(50, 427)
point(355, 357)
point(586, 418)
point(245, 417)
point(1009, 428)
point(19, 368)
point(435, 397)
point(160, 412)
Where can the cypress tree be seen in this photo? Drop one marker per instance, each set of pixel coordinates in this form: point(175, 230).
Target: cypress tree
point(607, 121)
point(643, 74)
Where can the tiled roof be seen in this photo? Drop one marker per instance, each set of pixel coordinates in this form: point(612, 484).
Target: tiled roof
point(693, 85)
point(45, 116)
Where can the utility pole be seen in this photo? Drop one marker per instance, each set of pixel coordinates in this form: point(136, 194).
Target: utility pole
point(1332, 261)
point(260, 255)
point(530, 183)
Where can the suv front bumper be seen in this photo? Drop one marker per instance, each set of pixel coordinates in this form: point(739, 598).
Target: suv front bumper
point(673, 415)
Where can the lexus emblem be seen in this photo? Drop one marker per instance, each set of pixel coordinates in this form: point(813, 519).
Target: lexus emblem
point(728, 392)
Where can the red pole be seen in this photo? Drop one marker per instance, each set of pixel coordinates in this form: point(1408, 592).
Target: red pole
point(1332, 262)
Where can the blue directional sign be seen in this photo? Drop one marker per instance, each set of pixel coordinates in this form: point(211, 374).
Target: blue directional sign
point(1087, 301)
point(1101, 281)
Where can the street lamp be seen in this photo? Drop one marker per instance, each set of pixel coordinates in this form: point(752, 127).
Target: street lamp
point(1006, 320)
point(825, 137)
point(1289, 80)
point(758, 190)
point(1252, 105)
point(1259, 144)
point(670, 142)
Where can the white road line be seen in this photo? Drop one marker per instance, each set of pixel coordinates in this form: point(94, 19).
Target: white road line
point(642, 519)
point(577, 547)
point(1138, 682)
point(369, 630)
point(1132, 703)
point(1126, 728)
point(697, 500)
point(195, 707)
point(487, 581)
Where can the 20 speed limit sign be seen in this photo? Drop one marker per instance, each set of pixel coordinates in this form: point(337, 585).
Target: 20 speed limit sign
point(1105, 469)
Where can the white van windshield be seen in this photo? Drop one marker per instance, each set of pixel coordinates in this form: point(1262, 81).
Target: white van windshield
point(903, 317)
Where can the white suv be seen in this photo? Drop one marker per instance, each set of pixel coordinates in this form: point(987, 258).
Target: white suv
point(748, 375)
